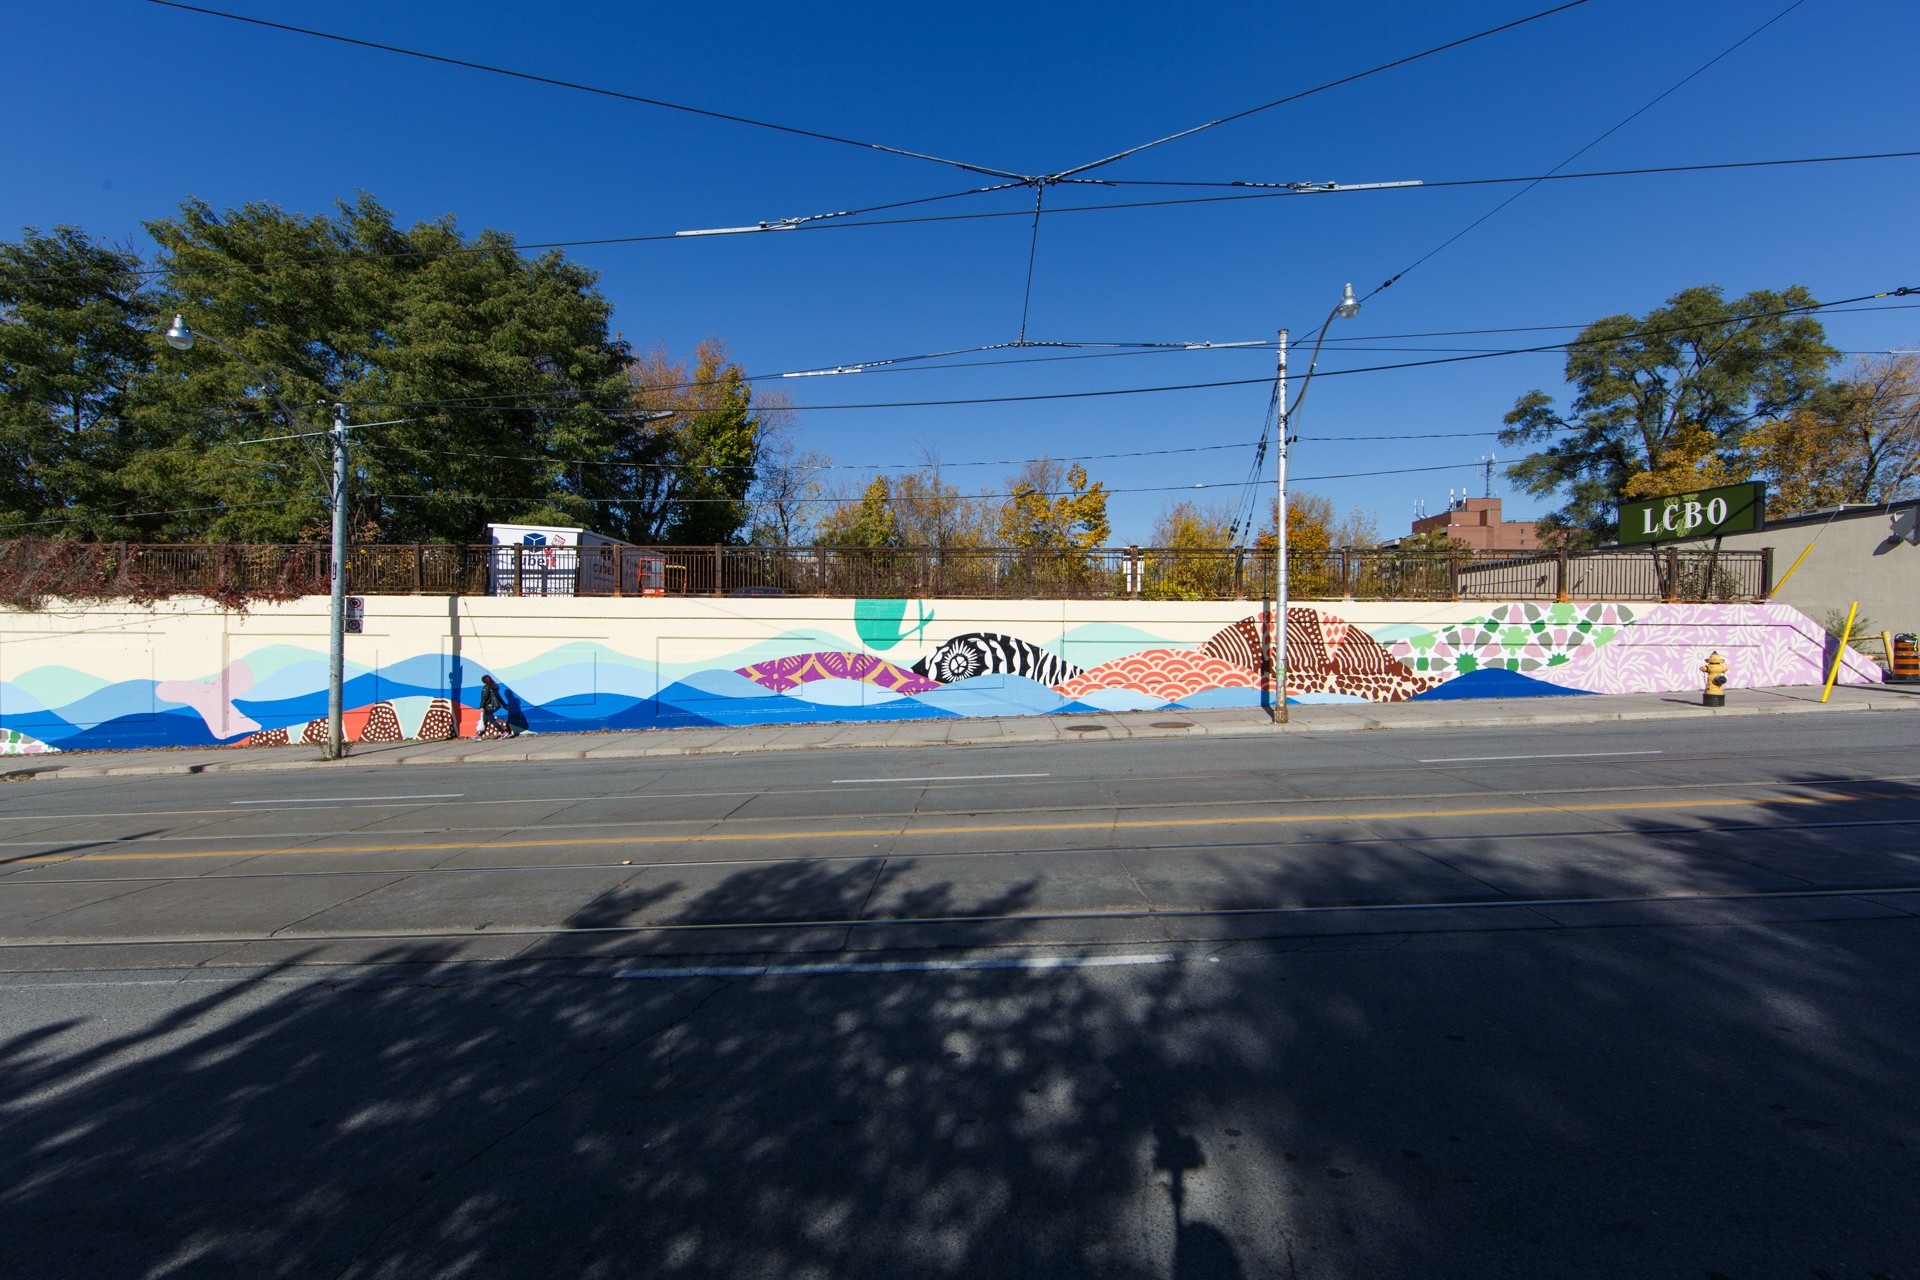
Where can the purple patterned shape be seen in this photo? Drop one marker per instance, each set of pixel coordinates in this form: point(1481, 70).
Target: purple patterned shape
point(1765, 645)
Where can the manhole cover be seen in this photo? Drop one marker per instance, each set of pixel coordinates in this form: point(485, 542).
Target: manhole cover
point(1172, 724)
point(1086, 728)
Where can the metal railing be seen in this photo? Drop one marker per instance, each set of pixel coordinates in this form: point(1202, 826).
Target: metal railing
point(1013, 573)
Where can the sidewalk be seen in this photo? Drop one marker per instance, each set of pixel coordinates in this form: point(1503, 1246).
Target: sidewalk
point(1486, 713)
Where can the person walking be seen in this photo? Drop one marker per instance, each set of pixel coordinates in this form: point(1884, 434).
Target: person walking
point(490, 704)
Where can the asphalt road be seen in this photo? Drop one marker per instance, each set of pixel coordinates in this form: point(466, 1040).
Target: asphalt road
point(1631, 1000)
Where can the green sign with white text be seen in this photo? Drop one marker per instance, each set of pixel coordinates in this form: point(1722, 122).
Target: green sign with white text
point(1732, 508)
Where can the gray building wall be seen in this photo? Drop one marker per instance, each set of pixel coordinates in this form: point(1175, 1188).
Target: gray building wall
point(1865, 554)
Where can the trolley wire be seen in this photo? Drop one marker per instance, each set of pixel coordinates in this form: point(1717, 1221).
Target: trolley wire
point(587, 88)
point(1702, 69)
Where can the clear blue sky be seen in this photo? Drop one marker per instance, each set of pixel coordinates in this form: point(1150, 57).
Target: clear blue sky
point(118, 109)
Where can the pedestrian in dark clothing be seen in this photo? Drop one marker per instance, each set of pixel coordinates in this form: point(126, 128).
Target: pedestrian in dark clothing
point(490, 704)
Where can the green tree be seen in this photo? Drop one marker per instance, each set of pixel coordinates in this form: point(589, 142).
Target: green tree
point(1700, 370)
point(75, 316)
point(499, 366)
point(686, 463)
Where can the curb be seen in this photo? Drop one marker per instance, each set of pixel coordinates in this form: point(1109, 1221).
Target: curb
point(1345, 724)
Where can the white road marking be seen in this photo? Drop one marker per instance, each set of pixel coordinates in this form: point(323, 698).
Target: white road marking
point(452, 795)
point(900, 966)
point(964, 777)
point(1561, 755)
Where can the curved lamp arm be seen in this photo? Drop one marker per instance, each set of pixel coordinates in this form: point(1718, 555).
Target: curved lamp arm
point(1347, 308)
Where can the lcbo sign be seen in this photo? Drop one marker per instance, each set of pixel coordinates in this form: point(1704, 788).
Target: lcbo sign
point(1732, 508)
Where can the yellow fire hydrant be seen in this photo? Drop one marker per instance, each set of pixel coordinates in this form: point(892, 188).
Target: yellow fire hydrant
point(1716, 692)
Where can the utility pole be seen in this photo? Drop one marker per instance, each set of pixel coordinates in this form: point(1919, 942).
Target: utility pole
point(337, 617)
point(1280, 549)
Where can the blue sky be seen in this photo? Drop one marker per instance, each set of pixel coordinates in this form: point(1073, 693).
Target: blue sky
point(118, 109)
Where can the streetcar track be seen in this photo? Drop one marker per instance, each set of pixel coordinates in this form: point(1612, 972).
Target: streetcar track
point(1264, 775)
point(212, 877)
point(898, 833)
point(1148, 912)
point(1121, 808)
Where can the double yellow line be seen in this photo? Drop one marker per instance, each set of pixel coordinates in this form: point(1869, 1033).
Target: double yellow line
point(715, 837)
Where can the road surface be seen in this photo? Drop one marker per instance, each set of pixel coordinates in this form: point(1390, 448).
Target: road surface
point(1632, 1000)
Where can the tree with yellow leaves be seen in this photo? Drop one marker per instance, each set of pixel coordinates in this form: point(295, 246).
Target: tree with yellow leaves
point(1051, 505)
point(1857, 440)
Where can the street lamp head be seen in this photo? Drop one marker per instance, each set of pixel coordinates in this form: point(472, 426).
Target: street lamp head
point(1349, 305)
point(179, 337)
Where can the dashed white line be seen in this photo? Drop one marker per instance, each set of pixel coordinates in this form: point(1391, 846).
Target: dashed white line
point(1559, 755)
point(965, 777)
point(451, 795)
point(896, 966)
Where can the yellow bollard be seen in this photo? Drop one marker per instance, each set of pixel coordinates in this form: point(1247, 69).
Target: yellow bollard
point(1840, 656)
point(1716, 692)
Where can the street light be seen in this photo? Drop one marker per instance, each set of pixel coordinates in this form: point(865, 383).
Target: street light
point(181, 338)
point(1347, 308)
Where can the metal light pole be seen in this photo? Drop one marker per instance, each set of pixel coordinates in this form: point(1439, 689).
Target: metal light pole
point(181, 338)
point(1347, 308)
point(1280, 548)
point(337, 608)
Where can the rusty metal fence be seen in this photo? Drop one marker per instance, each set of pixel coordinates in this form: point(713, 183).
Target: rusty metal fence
point(1015, 573)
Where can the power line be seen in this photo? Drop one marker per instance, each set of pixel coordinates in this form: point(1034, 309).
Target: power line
point(587, 88)
point(1331, 84)
point(566, 498)
point(516, 247)
point(846, 466)
point(1241, 382)
point(1591, 145)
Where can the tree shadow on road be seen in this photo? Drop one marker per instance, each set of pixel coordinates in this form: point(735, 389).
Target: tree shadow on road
point(1604, 1102)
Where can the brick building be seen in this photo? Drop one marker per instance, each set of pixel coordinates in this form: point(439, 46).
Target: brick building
point(1477, 522)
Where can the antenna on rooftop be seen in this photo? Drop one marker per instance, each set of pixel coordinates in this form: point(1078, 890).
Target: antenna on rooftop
point(1487, 463)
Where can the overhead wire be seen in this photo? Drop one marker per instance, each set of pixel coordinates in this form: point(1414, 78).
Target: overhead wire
point(1331, 84)
point(1675, 88)
point(473, 249)
point(587, 88)
point(1241, 382)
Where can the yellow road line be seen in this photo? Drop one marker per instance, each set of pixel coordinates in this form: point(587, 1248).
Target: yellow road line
point(713, 837)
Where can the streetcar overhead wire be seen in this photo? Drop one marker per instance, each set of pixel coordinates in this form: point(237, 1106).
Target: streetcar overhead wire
point(1551, 173)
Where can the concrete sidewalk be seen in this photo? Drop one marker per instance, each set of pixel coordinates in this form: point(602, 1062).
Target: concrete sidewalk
point(1479, 713)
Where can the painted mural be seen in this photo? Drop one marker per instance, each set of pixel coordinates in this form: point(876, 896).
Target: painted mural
point(276, 694)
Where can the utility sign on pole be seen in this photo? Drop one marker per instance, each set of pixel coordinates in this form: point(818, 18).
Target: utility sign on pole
point(1732, 508)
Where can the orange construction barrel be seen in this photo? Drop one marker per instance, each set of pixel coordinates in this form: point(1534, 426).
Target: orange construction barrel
point(1906, 659)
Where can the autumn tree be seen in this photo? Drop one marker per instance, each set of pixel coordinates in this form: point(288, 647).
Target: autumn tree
point(1687, 380)
point(686, 463)
point(1051, 505)
point(1196, 563)
point(866, 521)
point(1315, 524)
point(1857, 441)
point(789, 495)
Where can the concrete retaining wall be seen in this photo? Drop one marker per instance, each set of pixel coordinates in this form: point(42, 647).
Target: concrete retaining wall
point(187, 673)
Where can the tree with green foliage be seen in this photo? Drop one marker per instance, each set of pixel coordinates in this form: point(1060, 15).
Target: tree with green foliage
point(492, 372)
point(75, 321)
point(683, 471)
point(1700, 369)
